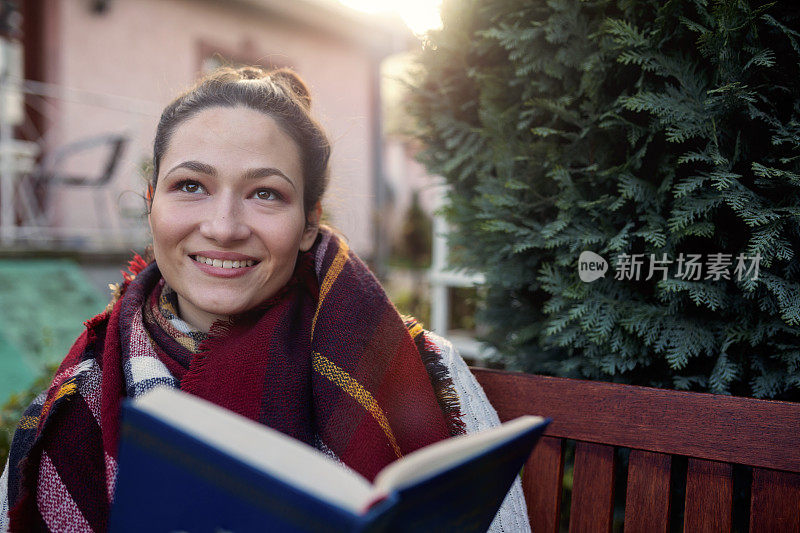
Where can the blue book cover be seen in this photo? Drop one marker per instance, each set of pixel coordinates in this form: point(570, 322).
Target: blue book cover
point(188, 465)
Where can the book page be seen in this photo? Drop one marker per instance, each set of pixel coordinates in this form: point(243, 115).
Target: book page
point(442, 455)
point(264, 448)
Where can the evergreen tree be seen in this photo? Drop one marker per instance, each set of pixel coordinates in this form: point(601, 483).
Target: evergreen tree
point(414, 245)
point(639, 130)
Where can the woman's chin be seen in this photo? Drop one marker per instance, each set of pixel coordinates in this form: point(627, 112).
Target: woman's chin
point(202, 315)
point(202, 304)
point(226, 312)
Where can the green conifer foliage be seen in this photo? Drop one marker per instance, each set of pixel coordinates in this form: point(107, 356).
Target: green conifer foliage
point(625, 127)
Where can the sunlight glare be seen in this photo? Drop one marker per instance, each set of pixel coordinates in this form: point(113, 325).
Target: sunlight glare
point(419, 15)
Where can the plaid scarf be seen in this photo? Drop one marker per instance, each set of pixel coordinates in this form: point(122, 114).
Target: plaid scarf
point(161, 313)
point(328, 361)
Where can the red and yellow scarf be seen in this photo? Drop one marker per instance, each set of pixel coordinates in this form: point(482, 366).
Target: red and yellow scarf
point(328, 361)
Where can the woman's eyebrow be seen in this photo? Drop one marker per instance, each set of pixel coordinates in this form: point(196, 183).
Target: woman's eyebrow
point(251, 174)
point(196, 166)
point(256, 173)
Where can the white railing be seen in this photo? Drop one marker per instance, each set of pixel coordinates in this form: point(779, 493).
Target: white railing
point(442, 279)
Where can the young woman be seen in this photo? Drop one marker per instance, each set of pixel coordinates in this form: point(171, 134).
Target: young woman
point(248, 303)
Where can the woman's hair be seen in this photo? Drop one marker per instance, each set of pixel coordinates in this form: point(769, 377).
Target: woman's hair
point(281, 94)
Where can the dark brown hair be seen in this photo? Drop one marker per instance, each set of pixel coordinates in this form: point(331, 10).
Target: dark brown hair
point(281, 94)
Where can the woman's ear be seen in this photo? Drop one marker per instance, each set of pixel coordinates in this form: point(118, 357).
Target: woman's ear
point(148, 203)
point(148, 197)
point(312, 227)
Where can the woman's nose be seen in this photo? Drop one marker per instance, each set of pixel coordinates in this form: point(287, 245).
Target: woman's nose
point(224, 222)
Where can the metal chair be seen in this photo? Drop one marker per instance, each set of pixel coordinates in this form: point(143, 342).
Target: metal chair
point(50, 173)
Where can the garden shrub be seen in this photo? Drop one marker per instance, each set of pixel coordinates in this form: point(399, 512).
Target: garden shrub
point(645, 132)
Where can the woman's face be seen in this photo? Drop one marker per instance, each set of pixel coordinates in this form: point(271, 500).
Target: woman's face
point(227, 214)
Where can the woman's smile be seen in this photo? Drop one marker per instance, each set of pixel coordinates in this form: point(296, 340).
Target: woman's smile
point(225, 260)
point(220, 263)
point(224, 265)
point(227, 215)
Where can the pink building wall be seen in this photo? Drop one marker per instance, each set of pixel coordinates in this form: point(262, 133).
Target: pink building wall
point(139, 53)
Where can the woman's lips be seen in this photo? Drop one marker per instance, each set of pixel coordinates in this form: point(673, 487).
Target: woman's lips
point(223, 264)
point(231, 256)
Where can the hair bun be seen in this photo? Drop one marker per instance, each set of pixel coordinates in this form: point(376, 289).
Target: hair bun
point(290, 80)
point(250, 73)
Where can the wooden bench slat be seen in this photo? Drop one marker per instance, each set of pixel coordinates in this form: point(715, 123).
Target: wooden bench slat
point(542, 477)
point(775, 501)
point(709, 426)
point(647, 497)
point(709, 497)
point(592, 505)
point(714, 432)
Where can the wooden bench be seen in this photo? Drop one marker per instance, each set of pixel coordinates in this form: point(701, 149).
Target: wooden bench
point(714, 432)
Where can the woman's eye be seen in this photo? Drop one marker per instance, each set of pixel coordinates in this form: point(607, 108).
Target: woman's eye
point(266, 194)
point(190, 187)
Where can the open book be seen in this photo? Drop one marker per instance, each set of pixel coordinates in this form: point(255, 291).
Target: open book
point(186, 464)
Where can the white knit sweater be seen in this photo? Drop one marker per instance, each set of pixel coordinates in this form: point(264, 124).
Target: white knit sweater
point(4, 499)
point(478, 415)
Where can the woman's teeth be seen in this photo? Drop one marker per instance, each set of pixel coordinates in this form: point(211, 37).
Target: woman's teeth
point(224, 264)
